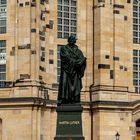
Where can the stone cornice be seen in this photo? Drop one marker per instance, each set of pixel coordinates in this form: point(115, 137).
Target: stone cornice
point(40, 102)
point(119, 105)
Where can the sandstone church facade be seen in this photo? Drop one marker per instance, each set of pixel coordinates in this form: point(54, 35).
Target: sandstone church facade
point(31, 35)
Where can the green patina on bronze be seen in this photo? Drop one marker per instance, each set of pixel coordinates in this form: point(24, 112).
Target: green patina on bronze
point(73, 64)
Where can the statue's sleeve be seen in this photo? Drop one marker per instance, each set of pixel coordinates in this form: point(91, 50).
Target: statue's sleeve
point(80, 63)
point(82, 69)
point(67, 62)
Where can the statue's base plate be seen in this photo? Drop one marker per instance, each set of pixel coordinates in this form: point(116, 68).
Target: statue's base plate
point(69, 122)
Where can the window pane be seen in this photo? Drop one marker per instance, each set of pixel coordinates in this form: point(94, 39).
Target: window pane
point(2, 43)
point(135, 67)
point(135, 2)
point(135, 34)
point(2, 50)
point(59, 7)
point(58, 71)
point(59, 28)
point(66, 35)
point(73, 22)
point(135, 20)
point(73, 29)
point(2, 68)
point(66, 28)
point(135, 60)
point(59, 21)
point(73, 3)
point(59, 14)
point(58, 63)
point(135, 14)
point(66, 15)
point(73, 16)
point(2, 29)
point(66, 22)
point(135, 40)
point(59, 1)
point(58, 48)
point(135, 27)
point(66, 2)
point(2, 76)
point(58, 79)
point(3, 1)
point(58, 56)
point(135, 52)
point(135, 8)
point(136, 89)
point(135, 82)
point(66, 8)
point(59, 34)
point(139, 60)
point(2, 23)
point(73, 9)
point(135, 74)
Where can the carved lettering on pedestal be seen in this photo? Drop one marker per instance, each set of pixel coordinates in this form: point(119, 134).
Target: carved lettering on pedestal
point(69, 123)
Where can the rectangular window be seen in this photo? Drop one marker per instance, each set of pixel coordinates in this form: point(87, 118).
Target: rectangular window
point(67, 18)
point(136, 70)
point(136, 22)
point(3, 16)
point(2, 61)
point(2, 52)
point(2, 72)
point(58, 62)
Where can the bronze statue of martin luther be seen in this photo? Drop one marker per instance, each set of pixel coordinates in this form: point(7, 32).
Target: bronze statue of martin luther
point(73, 64)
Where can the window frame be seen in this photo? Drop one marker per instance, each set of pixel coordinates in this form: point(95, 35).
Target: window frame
point(136, 23)
point(66, 17)
point(136, 70)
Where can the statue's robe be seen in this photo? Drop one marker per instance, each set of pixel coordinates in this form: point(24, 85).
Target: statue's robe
point(73, 65)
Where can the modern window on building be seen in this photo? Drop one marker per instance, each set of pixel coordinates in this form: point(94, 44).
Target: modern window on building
point(136, 22)
point(2, 60)
point(136, 70)
point(3, 16)
point(67, 18)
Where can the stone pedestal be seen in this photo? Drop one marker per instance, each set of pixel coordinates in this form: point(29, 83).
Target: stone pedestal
point(69, 122)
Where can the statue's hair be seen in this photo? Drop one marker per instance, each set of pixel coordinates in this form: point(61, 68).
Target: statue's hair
point(72, 39)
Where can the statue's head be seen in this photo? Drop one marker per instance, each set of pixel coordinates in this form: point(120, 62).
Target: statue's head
point(72, 39)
